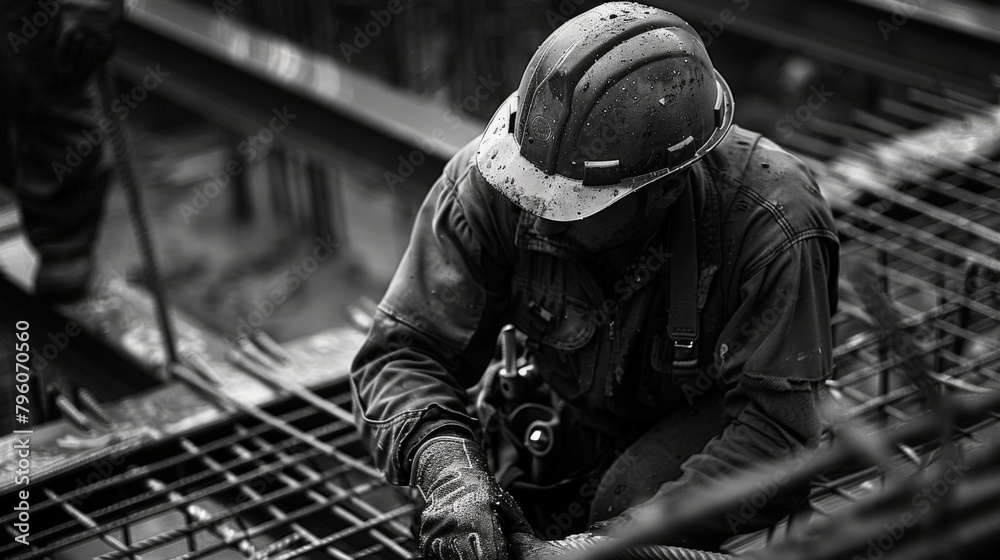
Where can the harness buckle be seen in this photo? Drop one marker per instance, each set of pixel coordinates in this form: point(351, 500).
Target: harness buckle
point(684, 344)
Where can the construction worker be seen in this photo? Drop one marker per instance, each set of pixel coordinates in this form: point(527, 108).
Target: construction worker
point(51, 49)
point(671, 278)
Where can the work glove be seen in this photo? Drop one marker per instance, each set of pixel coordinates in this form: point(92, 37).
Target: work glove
point(87, 37)
point(468, 514)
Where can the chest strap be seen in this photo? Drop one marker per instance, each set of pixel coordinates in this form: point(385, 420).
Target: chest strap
point(682, 306)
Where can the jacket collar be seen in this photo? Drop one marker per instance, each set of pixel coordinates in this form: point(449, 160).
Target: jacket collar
point(527, 238)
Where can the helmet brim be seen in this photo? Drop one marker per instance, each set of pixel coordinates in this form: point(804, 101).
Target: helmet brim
point(563, 199)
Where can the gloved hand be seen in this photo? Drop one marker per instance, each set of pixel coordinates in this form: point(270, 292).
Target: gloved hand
point(468, 515)
point(87, 37)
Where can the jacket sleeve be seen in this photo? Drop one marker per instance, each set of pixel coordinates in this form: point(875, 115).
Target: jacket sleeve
point(436, 327)
point(773, 352)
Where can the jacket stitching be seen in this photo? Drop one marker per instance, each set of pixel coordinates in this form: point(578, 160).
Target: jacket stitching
point(785, 245)
point(790, 380)
point(775, 213)
point(395, 315)
point(400, 418)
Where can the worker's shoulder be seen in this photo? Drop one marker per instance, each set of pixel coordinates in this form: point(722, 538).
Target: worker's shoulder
point(470, 202)
point(765, 187)
point(470, 189)
point(463, 162)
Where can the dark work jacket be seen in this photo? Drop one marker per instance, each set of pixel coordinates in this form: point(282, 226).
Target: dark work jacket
point(767, 260)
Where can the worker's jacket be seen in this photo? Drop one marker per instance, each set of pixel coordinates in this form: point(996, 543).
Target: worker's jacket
point(767, 255)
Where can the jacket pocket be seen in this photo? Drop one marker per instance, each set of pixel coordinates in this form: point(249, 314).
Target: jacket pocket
point(551, 318)
point(558, 328)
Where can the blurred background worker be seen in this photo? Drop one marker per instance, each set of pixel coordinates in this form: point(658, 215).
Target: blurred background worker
point(654, 257)
point(50, 52)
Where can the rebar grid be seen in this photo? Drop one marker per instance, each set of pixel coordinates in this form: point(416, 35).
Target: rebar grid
point(253, 489)
point(246, 488)
point(932, 241)
point(931, 232)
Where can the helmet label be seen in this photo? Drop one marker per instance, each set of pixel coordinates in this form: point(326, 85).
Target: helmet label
point(541, 128)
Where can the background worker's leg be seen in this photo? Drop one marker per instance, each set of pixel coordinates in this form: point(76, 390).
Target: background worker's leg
point(656, 456)
point(62, 176)
point(62, 207)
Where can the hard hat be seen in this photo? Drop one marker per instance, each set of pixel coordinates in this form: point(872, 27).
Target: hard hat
point(615, 99)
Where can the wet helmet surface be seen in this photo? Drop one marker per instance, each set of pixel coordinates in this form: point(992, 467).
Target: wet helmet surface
point(615, 99)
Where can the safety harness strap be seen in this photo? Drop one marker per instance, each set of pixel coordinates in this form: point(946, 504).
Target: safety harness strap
point(682, 305)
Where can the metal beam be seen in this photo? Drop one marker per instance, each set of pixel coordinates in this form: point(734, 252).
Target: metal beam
point(924, 49)
point(238, 77)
